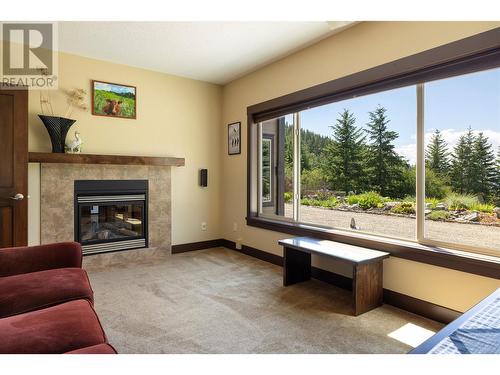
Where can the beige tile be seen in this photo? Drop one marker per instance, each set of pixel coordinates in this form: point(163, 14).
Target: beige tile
point(57, 206)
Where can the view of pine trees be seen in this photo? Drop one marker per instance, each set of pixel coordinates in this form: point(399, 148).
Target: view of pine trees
point(359, 158)
point(470, 168)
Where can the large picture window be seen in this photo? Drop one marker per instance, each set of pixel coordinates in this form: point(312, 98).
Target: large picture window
point(419, 162)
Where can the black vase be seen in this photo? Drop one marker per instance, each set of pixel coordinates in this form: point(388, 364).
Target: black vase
point(58, 129)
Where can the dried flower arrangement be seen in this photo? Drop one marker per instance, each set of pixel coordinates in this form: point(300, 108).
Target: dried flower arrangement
point(58, 126)
point(75, 98)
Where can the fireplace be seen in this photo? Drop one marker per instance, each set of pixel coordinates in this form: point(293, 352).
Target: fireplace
point(111, 215)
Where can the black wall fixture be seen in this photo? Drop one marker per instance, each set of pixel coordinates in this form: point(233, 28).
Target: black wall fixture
point(204, 177)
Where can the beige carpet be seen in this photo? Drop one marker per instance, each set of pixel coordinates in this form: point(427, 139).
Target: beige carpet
point(221, 301)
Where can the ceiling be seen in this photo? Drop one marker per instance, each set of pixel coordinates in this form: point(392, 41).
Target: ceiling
point(216, 52)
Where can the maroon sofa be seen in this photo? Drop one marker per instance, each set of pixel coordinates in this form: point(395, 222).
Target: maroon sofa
point(46, 302)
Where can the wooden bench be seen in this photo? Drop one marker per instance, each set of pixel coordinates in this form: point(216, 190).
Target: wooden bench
point(367, 267)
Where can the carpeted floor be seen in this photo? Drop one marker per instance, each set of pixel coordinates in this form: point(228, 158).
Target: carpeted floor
point(221, 301)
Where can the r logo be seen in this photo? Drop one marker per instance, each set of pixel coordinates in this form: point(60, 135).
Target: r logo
point(27, 49)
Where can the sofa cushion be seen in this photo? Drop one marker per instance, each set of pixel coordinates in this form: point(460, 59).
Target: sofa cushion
point(57, 329)
point(96, 349)
point(18, 260)
point(36, 290)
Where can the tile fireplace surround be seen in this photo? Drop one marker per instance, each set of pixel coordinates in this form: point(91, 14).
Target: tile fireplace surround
point(57, 204)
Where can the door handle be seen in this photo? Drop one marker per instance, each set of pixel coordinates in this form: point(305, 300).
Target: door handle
point(18, 197)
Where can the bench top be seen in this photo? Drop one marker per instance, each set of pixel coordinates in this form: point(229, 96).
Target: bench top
point(341, 251)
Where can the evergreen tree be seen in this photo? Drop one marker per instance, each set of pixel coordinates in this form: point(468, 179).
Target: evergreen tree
point(288, 157)
point(437, 156)
point(288, 144)
point(462, 165)
point(497, 173)
point(496, 194)
point(484, 169)
point(382, 161)
point(342, 157)
point(311, 146)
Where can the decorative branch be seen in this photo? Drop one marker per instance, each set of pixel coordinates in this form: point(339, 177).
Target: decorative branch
point(76, 99)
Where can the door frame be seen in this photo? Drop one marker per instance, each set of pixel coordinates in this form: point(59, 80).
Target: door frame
point(20, 150)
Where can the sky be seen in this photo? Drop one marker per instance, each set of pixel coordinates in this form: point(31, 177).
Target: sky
point(451, 105)
point(114, 88)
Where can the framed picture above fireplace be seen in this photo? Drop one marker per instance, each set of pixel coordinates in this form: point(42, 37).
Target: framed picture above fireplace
point(114, 100)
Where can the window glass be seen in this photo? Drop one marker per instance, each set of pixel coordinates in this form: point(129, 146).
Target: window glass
point(276, 169)
point(462, 157)
point(358, 164)
point(267, 187)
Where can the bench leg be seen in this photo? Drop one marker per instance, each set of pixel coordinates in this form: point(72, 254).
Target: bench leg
point(367, 287)
point(296, 266)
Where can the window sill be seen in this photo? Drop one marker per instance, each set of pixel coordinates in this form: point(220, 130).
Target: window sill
point(477, 264)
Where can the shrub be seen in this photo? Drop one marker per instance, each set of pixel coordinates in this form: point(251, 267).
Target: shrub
point(439, 215)
point(324, 194)
point(495, 199)
point(353, 199)
point(366, 200)
point(327, 203)
point(288, 196)
point(482, 207)
point(313, 180)
point(403, 182)
point(435, 186)
point(306, 202)
point(459, 202)
point(405, 208)
point(309, 202)
point(433, 202)
point(409, 198)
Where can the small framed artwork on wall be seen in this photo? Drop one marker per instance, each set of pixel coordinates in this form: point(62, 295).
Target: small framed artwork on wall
point(234, 138)
point(113, 100)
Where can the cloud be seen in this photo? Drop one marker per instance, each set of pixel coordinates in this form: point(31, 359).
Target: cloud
point(408, 151)
point(451, 137)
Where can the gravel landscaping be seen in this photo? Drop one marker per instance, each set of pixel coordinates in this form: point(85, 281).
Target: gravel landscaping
point(487, 236)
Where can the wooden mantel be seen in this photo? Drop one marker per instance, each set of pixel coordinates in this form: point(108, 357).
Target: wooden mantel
point(49, 157)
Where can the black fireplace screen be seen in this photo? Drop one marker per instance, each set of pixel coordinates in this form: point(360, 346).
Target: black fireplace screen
point(111, 221)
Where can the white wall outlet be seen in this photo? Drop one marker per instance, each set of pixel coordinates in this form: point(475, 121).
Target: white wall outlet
point(239, 244)
point(203, 226)
point(235, 227)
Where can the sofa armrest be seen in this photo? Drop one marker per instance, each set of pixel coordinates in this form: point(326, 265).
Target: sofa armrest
point(19, 260)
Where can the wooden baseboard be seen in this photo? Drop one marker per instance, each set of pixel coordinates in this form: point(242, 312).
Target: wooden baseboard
point(256, 253)
point(182, 248)
point(414, 305)
point(420, 307)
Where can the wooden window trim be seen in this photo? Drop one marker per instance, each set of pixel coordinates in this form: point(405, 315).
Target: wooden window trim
point(472, 54)
point(474, 263)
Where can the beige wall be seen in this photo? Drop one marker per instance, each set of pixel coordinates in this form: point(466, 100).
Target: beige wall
point(175, 117)
point(363, 46)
